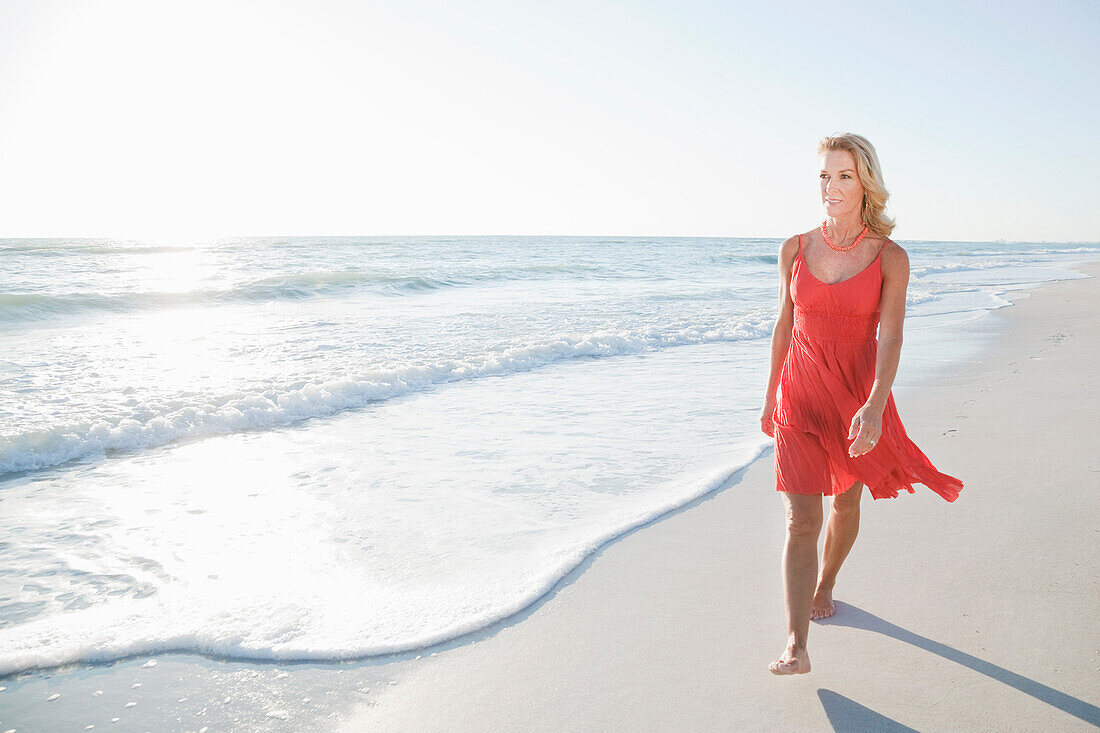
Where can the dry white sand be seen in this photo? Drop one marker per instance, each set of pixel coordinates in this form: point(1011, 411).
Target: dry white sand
point(977, 615)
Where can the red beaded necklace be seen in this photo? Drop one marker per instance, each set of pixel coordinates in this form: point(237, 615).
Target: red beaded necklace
point(825, 233)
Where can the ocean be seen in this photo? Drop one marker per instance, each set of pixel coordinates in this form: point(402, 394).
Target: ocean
point(317, 448)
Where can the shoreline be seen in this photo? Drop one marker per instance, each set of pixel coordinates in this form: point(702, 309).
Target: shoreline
point(659, 631)
point(586, 654)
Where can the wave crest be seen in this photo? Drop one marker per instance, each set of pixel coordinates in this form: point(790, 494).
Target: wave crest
point(264, 409)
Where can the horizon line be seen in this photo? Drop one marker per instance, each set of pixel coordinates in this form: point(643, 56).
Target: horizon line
point(176, 239)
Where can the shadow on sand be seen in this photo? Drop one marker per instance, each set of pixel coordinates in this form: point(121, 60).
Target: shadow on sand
point(846, 715)
point(856, 618)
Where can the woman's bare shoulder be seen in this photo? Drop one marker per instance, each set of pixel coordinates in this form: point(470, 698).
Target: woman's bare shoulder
point(789, 250)
point(894, 259)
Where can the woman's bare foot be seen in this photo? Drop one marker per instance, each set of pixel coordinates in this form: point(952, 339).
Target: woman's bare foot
point(823, 606)
point(793, 661)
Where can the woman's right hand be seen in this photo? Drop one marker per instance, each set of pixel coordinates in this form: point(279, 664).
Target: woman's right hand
point(766, 412)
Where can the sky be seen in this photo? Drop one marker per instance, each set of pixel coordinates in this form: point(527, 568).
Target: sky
point(196, 120)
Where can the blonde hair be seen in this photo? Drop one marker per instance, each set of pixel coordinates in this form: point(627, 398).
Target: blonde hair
point(869, 171)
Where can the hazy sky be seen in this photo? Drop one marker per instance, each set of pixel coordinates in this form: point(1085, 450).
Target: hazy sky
point(200, 119)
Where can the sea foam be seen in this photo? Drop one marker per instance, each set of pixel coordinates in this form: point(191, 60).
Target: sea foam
point(41, 448)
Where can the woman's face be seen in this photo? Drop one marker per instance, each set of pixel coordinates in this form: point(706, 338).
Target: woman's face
point(841, 191)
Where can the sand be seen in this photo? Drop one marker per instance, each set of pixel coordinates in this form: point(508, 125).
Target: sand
point(976, 615)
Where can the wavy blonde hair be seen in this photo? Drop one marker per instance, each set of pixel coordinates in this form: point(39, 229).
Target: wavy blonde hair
point(869, 171)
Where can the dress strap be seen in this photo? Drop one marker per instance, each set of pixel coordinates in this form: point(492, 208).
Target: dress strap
point(878, 257)
point(799, 245)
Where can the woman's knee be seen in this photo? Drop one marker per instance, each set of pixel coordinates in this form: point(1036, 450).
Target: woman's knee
point(804, 519)
point(846, 505)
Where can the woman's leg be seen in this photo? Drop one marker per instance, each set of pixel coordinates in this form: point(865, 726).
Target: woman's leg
point(840, 535)
point(799, 576)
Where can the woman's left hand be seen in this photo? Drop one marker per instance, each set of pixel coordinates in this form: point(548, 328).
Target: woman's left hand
point(866, 430)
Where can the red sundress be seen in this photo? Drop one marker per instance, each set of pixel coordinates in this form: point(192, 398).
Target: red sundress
point(826, 377)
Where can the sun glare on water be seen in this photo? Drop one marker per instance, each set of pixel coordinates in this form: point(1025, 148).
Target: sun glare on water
point(173, 271)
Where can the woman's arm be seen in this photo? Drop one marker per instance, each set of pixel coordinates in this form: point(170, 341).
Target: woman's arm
point(867, 422)
point(781, 334)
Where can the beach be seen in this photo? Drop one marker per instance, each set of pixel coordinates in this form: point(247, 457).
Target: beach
point(976, 615)
point(966, 616)
point(375, 366)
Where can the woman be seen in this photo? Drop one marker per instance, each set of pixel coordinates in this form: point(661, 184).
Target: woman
point(835, 425)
